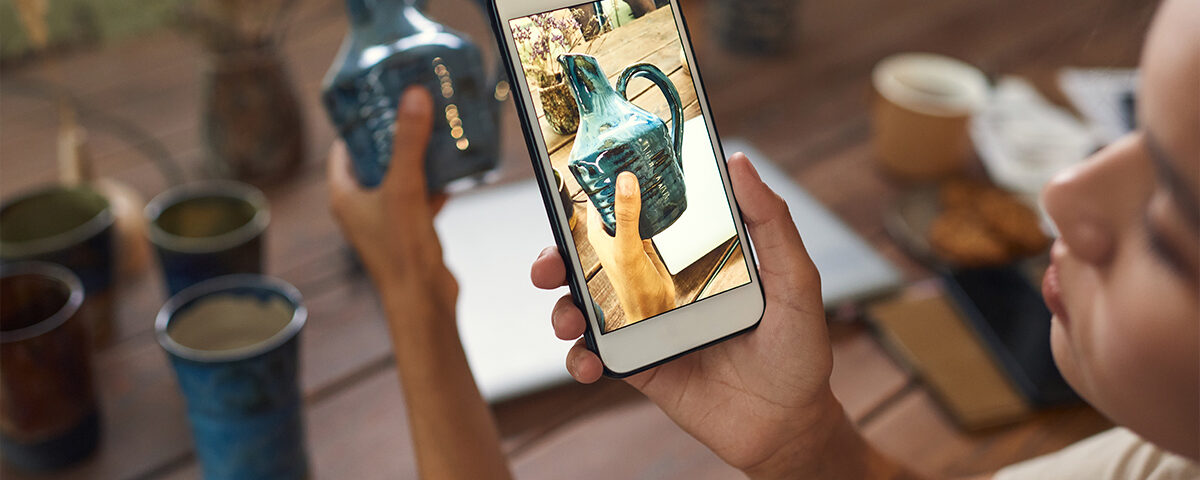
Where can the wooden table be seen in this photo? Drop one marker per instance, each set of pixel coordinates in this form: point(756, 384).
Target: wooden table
point(806, 111)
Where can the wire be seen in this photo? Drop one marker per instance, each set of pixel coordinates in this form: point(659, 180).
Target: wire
point(134, 135)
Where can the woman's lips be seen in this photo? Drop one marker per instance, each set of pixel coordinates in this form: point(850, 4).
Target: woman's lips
point(1052, 293)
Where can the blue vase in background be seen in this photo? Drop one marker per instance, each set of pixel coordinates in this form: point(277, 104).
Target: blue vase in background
point(617, 136)
point(390, 46)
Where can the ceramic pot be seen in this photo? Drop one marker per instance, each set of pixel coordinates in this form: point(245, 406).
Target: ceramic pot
point(559, 106)
point(252, 124)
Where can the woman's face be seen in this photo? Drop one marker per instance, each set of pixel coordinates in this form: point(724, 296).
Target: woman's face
point(1125, 280)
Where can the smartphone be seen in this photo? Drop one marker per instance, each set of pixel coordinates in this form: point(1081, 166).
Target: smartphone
point(1008, 312)
point(601, 90)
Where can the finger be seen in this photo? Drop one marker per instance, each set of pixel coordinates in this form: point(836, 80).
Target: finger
point(437, 201)
point(341, 180)
point(567, 320)
point(548, 271)
point(414, 125)
point(595, 223)
point(770, 225)
point(655, 259)
point(583, 364)
point(628, 210)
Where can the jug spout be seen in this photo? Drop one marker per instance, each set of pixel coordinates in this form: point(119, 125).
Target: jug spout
point(587, 80)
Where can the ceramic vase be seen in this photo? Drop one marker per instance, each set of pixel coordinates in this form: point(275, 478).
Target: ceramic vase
point(617, 136)
point(390, 46)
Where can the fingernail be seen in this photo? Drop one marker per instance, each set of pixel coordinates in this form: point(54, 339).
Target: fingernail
point(625, 184)
point(415, 102)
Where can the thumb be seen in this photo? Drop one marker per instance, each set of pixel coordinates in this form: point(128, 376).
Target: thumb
point(414, 126)
point(770, 225)
point(628, 211)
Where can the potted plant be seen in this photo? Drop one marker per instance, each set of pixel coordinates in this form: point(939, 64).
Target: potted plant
point(540, 42)
point(251, 117)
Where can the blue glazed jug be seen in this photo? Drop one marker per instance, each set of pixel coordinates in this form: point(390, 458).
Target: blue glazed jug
point(390, 46)
point(617, 136)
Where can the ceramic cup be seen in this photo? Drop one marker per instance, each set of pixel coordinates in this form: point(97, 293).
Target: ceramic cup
point(922, 105)
point(48, 413)
point(233, 342)
point(72, 227)
point(207, 229)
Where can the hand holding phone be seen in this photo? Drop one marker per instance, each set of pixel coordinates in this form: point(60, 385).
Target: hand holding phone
point(760, 400)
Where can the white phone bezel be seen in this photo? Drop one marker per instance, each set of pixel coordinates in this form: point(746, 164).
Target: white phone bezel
point(685, 328)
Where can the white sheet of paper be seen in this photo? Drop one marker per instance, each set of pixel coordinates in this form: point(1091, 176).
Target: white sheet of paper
point(706, 223)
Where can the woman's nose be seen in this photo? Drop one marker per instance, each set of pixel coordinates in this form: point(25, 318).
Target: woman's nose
point(1091, 203)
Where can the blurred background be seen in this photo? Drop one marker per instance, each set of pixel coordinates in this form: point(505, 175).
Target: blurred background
point(909, 137)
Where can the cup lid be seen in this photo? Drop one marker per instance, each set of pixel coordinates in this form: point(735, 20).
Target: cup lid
point(931, 84)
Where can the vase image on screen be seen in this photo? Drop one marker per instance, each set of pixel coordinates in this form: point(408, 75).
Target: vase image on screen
point(617, 136)
point(390, 46)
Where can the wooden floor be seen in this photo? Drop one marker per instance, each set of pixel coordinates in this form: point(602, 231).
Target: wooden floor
point(807, 111)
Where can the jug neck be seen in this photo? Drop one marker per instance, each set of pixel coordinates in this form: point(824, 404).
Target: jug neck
point(587, 80)
point(382, 19)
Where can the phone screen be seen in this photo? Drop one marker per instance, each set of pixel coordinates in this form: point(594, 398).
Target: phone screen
point(613, 93)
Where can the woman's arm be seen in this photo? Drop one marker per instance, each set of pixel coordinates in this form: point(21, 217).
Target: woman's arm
point(452, 427)
point(391, 228)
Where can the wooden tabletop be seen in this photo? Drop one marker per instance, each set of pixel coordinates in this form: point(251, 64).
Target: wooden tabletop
point(806, 111)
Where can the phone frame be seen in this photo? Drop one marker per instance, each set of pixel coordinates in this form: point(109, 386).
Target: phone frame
point(662, 338)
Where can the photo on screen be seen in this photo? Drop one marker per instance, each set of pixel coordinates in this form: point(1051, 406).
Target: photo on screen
point(613, 93)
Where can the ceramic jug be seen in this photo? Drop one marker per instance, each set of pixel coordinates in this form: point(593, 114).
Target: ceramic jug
point(390, 46)
point(616, 136)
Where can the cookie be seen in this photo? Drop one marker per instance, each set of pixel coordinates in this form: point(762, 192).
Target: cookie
point(961, 193)
point(961, 237)
point(1016, 224)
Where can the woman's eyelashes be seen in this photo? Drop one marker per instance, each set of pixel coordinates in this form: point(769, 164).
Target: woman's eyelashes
point(1161, 248)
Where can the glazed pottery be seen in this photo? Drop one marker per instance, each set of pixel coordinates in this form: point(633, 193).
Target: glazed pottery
point(617, 136)
point(234, 343)
point(49, 418)
point(207, 229)
point(390, 46)
point(72, 227)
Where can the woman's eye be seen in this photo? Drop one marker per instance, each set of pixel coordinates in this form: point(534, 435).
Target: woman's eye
point(1161, 249)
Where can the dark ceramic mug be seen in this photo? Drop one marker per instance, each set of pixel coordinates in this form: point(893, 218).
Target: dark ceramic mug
point(233, 342)
point(207, 229)
point(68, 226)
point(48, 413)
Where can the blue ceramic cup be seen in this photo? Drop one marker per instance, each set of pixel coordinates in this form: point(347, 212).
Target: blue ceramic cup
point(49, 418)
point(68, 226)
point(207, 229)
point(233, 342)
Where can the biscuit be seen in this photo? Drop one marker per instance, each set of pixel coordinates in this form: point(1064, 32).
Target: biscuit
point(961, 237)
point(1016, 224)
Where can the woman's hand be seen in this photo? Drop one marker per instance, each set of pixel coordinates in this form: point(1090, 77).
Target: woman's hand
point(637, 274)
point(391, 227)
point(761, 401)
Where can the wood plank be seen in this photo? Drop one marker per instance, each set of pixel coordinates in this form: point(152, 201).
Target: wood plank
point(733, 273)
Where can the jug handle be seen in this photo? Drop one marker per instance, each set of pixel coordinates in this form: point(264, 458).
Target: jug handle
point(652, 73)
